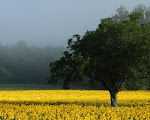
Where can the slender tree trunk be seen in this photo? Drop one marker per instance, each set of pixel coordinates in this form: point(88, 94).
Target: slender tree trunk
point(113, 96)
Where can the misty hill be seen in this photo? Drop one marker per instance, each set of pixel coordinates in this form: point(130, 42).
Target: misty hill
point(20, 63)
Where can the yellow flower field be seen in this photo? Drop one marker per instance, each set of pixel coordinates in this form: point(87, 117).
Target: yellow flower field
point(73, 105)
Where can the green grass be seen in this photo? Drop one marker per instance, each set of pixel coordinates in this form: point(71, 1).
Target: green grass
point(33, 87)
point(29, 87)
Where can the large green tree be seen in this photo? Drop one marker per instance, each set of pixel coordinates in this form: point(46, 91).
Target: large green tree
point(112, 54)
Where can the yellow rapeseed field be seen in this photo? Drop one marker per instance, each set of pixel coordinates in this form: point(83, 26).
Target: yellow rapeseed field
point(73, 105)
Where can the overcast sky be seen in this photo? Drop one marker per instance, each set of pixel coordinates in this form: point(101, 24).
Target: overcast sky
point(53, 22)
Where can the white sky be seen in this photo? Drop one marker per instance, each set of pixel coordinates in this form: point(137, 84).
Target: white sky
point(43, 22)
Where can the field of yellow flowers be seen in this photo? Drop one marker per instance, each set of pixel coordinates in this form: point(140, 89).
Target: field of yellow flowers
point(73, 105)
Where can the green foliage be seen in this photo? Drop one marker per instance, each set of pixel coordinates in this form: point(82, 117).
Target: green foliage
point(112, 54)
point(6, 76)
point(23, 64)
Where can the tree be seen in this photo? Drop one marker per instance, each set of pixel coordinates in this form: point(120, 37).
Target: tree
point(112, 54)
point(6, 76)
point(123, 14)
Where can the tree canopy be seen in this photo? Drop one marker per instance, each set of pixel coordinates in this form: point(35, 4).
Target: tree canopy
point(113, 53)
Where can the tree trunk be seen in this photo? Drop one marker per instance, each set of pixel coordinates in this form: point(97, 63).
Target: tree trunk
point(113, 95)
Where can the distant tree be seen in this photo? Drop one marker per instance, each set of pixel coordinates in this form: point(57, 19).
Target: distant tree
point(22, 44)
point(6, 76)
point(112, 54)
point(138, 84)
point(145, 13)
point(123, 14)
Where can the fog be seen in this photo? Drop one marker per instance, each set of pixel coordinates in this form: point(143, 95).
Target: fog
point(53, 22)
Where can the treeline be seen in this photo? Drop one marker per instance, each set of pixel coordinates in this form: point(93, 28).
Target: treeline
point(21, 63)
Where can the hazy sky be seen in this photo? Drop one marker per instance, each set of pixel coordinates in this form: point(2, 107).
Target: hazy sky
point(43, 22)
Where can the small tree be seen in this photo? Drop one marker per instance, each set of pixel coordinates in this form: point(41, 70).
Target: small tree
point(112, 54)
